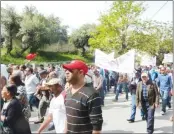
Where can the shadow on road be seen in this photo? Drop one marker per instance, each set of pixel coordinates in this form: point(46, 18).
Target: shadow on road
point(166, 129)
point(117, 131)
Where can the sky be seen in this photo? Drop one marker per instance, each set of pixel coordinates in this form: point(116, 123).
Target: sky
point(76, 13)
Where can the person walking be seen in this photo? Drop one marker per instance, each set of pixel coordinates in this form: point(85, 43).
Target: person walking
point(148, 99)
point(12, 117)
point(43, 95)
point(21, 95)
point(83, 103)
point(31, 82)
point(56, 112)
point(98, 85)
point(165, 85)
point(132, 88)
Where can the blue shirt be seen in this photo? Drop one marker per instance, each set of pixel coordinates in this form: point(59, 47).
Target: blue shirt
point(164, 82)
point(145, 94)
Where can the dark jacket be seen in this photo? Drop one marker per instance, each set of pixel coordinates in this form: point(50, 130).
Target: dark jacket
point(153, 95)
point(133, 86)
point(15, 119)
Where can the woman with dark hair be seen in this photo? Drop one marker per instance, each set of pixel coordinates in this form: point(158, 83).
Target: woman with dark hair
point(21, 95)
point(12, 117)
point(3, 82)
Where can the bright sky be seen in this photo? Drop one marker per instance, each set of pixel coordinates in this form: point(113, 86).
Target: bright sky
point(76, 13)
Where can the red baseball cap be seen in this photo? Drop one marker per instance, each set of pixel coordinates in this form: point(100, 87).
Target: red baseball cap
point(76, 64)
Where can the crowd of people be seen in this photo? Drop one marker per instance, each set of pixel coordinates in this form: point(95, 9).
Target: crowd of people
point(70, 97)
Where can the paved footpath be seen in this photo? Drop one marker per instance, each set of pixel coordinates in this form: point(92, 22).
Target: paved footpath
point(115, 115)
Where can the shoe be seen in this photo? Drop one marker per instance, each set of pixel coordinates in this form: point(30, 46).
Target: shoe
point(143, 118)
point(51, 128)
point(131, 121)
point(163, 113)
point(39, 121)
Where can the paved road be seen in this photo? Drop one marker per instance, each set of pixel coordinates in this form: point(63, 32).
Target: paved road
point(115, 115)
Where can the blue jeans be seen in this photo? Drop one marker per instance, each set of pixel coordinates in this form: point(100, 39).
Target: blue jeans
point(149, 115)
point(133, 108)
point(32, 100)
point(118, 89)
point(164, 96)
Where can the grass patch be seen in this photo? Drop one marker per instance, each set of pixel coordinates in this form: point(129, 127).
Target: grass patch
point(46, 57)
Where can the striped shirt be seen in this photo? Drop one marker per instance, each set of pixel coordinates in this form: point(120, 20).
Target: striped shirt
point(83, 110)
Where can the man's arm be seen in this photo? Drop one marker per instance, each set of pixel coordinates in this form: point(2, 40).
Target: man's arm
point(95, 113)
point(45, 123)
point(137, 95)
point(157, 94)
point(100, 84)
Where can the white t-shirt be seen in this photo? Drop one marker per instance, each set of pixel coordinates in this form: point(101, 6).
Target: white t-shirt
point(57, 109)
point(31, 83)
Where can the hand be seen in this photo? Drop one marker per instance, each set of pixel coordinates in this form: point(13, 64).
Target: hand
point(156, 105)
point(38, 132)
point(38, 87)
point(2, 117)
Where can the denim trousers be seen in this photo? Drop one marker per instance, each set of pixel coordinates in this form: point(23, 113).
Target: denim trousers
point(133, 107)
point(149, 112)
point(165, 98)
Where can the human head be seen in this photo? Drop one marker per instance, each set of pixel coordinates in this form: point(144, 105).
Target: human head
point(55, 85)
point(75, 71)
point(22, 67)
point(16, 80)
point(163, 70)
point(28, 71)
point(96, 72)
point(43, 74)
point(9, 92)
point(144, 77)
point(52, 75)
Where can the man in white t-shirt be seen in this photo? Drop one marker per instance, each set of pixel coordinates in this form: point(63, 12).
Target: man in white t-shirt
point(57, 112)
point(31, 82)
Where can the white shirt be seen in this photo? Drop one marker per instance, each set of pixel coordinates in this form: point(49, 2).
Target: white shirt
point(31, 83)
point(57, 109)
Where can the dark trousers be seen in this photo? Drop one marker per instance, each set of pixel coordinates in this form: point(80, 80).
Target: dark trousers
point(149, 112)
point(101, 94)
point(33, 101)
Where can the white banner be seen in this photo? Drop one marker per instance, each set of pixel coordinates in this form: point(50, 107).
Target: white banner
point(102, 59)
point(147, 60)
point(124, 63)
point(168, 58)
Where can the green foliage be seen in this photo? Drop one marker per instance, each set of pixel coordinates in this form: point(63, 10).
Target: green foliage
point(79, 38)
point(45, 57)
point(116, 25)
point(10, 21)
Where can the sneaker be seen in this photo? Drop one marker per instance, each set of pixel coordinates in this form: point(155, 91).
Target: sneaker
point(163, 113)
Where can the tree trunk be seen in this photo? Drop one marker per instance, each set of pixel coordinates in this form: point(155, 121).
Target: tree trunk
point(83, 51)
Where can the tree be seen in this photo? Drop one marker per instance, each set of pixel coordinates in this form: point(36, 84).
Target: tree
point(10, 24)
point(79, 38)
point(116, 26)
point(37, 30)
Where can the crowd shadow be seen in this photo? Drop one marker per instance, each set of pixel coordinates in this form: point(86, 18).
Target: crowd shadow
point(166, 129)
point(117, 131)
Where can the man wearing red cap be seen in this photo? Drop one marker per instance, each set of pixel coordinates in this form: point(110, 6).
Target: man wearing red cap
point(83, 104)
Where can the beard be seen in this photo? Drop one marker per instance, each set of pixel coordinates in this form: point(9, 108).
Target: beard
point(72, 80)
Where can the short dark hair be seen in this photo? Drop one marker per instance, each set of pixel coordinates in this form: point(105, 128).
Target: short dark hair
point(23, 67)
point(30, 69)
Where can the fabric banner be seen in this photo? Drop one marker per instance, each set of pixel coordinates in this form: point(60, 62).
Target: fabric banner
point(124, 63)
point(147, 60)
point(168, 58)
